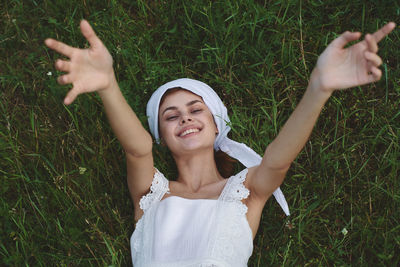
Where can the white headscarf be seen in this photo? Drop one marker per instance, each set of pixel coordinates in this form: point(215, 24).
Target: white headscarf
point(236, 150)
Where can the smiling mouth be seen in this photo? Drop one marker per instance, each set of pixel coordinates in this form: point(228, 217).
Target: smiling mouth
point(189, 131)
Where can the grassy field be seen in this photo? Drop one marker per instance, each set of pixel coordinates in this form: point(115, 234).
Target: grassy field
point(63, 193)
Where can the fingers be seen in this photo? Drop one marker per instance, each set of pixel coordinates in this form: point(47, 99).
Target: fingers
point(371, 43)
point(374, 61)
point(345, 38)
point(59, 47)
point(89, 34)
point(63, 65)
point(73, 93)
point(64, 79)
point(373, 58)
point(375, 74)
point(382, 32)
point(372, 40)
point(71, 96)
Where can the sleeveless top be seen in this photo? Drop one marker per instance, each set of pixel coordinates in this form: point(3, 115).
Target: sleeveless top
point(176, 231)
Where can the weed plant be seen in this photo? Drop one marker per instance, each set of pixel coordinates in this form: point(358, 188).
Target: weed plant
point(63, 193)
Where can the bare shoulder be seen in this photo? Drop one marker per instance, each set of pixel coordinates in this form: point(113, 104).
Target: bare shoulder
point(262, 181)
point(255, 199)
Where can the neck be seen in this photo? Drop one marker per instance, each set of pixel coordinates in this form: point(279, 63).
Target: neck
point(197, 169)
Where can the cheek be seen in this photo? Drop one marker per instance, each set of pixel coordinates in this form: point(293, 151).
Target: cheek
point(212, 122)
point(161, 130)
point(164, 130)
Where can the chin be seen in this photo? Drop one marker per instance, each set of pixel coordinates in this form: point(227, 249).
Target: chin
point(192, 147)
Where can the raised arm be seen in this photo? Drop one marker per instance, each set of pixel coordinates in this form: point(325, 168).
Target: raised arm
point(337, 68)
point(91, 70)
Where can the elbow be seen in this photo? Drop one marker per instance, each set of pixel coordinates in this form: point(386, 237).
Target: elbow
point(276, 163)
point(142, 149)
point(278, 167)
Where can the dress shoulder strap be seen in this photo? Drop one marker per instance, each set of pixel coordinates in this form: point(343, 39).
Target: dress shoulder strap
point(235, 189)
point(159, 186)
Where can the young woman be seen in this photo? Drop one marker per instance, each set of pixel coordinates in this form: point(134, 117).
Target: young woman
point(203, 219)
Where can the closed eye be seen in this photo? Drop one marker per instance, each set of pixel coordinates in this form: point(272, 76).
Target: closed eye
point(171, 118)
point(197, 110)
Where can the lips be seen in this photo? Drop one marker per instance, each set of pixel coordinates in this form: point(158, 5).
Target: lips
point(188, 130)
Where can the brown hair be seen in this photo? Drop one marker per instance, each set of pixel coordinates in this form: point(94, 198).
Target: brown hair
point(168, 92)
point(225, 164)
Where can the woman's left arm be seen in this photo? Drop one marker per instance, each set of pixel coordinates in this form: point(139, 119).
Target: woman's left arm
point(337, 68)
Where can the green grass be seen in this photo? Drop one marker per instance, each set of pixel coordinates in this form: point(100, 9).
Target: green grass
point(64, 199)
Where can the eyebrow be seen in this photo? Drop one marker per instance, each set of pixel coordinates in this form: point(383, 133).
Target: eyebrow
point(187, 104)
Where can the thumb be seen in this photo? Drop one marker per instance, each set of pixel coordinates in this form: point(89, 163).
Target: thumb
point(89, 34)
point(71, 96)
point(345, 38)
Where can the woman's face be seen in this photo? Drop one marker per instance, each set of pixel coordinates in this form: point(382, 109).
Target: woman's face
point(186, 123)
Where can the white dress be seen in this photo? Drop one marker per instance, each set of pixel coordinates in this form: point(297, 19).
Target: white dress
point(179, 232)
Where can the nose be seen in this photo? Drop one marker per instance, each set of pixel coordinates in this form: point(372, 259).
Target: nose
point(186, 118)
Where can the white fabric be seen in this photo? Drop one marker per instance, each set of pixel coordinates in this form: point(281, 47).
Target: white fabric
point(236, 150)
point(179, 232)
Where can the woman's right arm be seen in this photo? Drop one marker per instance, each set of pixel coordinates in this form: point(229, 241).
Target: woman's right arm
point(135, 140)
point(91, 70)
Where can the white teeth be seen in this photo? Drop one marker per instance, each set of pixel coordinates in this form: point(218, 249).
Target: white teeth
point(189, 131)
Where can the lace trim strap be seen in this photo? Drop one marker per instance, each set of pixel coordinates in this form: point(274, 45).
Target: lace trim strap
point(159, 186)
point(235, 189)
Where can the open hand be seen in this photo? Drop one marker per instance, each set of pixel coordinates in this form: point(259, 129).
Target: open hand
point(341, 68)
point(88, 70)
